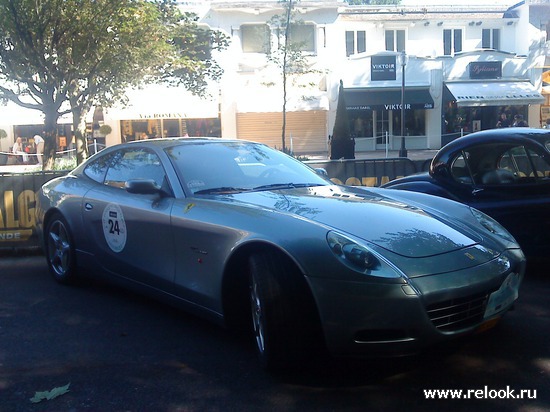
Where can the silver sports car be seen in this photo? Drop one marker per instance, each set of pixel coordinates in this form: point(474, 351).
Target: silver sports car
point(246, 235)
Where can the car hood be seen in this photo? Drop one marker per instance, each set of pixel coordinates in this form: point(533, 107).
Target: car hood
point(376, 218)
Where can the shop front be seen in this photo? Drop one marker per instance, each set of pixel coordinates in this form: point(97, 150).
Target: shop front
point(375, 86)
point(375, 116)
point(485, 99)
point(165, 126)
point(161, 112)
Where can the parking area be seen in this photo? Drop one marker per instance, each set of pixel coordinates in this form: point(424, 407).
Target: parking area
point(121, 351)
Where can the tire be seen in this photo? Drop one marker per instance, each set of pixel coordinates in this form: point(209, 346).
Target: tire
point(59, 249)
point(284, 317)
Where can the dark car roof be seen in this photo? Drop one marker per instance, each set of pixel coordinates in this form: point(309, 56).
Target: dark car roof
point(511, 135)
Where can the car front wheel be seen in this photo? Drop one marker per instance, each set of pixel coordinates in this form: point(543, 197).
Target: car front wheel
point(284, 317)
point(60, 250)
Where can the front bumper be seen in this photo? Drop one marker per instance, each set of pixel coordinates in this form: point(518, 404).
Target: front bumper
point(364, 319)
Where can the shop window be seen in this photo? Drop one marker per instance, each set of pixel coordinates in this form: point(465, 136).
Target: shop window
point(356, 42)
point(255, 38)
point(361, 123)
point(415, 123)
point(395, 40)
point(303, 35)
point(490, 39)
point(452, 41)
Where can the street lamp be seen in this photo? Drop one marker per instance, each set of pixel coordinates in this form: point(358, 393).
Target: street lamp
point(402, 150)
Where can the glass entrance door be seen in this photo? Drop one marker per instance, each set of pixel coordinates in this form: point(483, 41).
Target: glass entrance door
point(382, 129)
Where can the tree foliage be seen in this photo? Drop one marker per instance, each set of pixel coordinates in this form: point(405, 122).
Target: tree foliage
point(65, 56)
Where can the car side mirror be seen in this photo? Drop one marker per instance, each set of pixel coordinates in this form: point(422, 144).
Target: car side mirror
point(321, 171)
point(142, 187)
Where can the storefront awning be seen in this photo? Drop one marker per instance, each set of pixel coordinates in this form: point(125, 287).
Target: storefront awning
point(494, 93)
point(387, 99)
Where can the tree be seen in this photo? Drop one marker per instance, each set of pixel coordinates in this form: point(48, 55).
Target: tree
point(289, 58)
point(65, 56)
point(341, 143)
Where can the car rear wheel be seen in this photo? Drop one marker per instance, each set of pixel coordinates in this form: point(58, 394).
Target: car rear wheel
point(60, 250)
point(284, 317)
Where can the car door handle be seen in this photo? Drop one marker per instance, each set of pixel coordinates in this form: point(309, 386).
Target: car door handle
point(88, 206)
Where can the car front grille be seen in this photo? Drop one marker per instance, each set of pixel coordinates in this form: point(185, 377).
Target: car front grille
point(459, 313)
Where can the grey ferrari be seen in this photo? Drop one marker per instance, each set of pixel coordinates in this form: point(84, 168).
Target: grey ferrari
point(249, 237)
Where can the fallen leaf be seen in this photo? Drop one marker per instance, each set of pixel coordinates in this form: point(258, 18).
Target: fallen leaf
point(49, 395)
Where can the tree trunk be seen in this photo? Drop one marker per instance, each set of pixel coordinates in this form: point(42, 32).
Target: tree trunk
point(79, 127)
point(50, 139)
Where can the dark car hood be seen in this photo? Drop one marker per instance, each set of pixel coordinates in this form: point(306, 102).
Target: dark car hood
point(395, 226)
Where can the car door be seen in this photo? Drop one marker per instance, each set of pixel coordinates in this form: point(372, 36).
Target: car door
point(131, 233)
point(517, 194)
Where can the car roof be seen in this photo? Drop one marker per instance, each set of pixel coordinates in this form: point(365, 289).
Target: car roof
point(511, 136)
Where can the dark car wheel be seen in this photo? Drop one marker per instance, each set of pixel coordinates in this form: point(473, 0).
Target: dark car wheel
point(284, 318)
point(60, 250)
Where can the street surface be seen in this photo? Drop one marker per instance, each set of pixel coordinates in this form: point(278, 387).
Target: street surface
point(123, 352)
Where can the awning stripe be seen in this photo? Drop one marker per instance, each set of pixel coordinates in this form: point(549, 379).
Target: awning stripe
point(494, 93)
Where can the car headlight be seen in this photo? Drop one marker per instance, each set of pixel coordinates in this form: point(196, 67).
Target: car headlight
point(492, 225)
point(359, 257)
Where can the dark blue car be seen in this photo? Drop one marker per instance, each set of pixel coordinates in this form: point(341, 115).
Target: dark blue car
point(502, 172)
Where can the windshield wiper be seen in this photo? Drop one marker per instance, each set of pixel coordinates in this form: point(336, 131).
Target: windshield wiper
point(278, 186)
point(222, 190)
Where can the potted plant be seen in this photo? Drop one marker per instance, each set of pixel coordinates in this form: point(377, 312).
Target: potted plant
point(105, 129)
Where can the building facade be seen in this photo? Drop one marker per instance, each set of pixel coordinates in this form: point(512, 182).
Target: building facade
point(464, 66)
point(430, 73)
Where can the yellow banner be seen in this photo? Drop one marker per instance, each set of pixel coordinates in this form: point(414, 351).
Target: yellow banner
point(16, 235)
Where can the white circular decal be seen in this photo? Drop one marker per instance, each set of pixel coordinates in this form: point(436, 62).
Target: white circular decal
point(114, 227)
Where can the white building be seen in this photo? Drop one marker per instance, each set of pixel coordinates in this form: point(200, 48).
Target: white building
point(464, 66)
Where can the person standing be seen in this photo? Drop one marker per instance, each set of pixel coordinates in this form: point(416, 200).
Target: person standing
point(39, 142)
point(18, 150)
point(519, 122)
point(503, 121)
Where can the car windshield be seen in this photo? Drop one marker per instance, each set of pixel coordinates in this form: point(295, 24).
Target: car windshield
point(229, 167)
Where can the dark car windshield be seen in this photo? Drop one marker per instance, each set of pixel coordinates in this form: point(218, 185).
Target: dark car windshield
point(229, 167)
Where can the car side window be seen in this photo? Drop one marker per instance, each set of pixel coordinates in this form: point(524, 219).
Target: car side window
point(97, 168)
point(460, 170)
point(526, 164)
point(134, 164)
point(542, 168)
point(517, 161)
